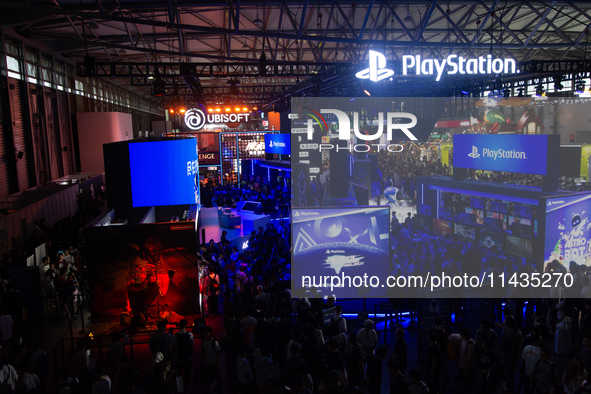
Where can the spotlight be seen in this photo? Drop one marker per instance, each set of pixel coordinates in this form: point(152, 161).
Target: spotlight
point(580, 86)
point(366, 92)
point(520, 90)
point(228, 109)
point(237, 109)
point(92, 25)
point(558, 83)
point(539, 90)
point(408, 17)
point(182, 110)
point(171, 111)
point(506, 93)
point(465, 92)
point(209, 110)
point(245, 109)
point(218, 110)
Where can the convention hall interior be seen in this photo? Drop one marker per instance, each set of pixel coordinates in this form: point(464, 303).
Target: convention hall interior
point(295, 196)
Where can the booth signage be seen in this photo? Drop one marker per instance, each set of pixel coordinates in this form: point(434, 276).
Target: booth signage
point(452, 64)
point(209, 158)
point(195, 119)
point(525, 154)
point(278, 144)
point(567, 233)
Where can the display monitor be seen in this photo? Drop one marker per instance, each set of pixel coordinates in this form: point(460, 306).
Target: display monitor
point(494, 206)
point(322, 245)
point(503, 207)
point(522, 211)
point(446, 214)
point(424, 209)
point(422, 221)
point(516, 220)
point(251, 206)
point(465, 218)
point(465, 232)
point(491, 223)
point(517, 246)
point(164, 172)
point(477, 203)
point(442, 227)
point(488, 239)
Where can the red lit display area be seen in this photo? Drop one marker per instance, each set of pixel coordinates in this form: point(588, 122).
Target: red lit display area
point(149, 270)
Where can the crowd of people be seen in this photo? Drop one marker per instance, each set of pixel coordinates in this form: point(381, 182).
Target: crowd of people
point(24, 364)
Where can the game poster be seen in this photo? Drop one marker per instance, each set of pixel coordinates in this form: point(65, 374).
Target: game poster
point(568, 230)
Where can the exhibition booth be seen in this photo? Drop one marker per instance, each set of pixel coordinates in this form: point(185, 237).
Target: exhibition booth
point(142, 252)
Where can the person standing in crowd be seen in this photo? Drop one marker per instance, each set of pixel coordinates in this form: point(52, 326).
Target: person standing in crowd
point(374, 371)
point(545, 374)
point(210, 353)
point(161, 340)
point(182, 350)
point(400, 353)
point(467, 361)
point(244, 372)
point(531, 355)
point(368, 338)
point(433, 361)
point(511, 350)
point(212, 291)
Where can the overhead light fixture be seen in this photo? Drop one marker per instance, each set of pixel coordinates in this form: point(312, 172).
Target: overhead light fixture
point(245, 45)
point(539, 90)
point(122, 51)
point(558, 83)
point(366, 92)
point(520, 90)
point(408, 17)
point(182, 110)
point(257, 22)
point(92, 25)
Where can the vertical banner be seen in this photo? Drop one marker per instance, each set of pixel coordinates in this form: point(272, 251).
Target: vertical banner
point(300, 178)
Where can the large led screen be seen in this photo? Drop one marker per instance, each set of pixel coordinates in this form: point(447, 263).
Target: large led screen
point(163, 172)
point(521, 247)
point(340, 242)
point(568, 231)
point(526, 154)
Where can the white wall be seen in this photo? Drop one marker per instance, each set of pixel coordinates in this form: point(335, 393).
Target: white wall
point(96, 129)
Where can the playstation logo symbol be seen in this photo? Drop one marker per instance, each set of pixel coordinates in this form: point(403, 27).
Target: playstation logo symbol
point(377, 68)
point(474, 153)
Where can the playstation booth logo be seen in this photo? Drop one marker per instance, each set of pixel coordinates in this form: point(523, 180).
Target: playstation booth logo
point(474, 153)
point(377, 68)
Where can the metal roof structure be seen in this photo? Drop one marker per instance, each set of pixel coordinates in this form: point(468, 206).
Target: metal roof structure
point(310, 47)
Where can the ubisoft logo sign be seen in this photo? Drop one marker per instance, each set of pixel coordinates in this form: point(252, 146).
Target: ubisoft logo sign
point(194, 119)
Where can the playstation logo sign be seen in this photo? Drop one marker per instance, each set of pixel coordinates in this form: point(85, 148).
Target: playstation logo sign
point(377, 68)
point(474, 153)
